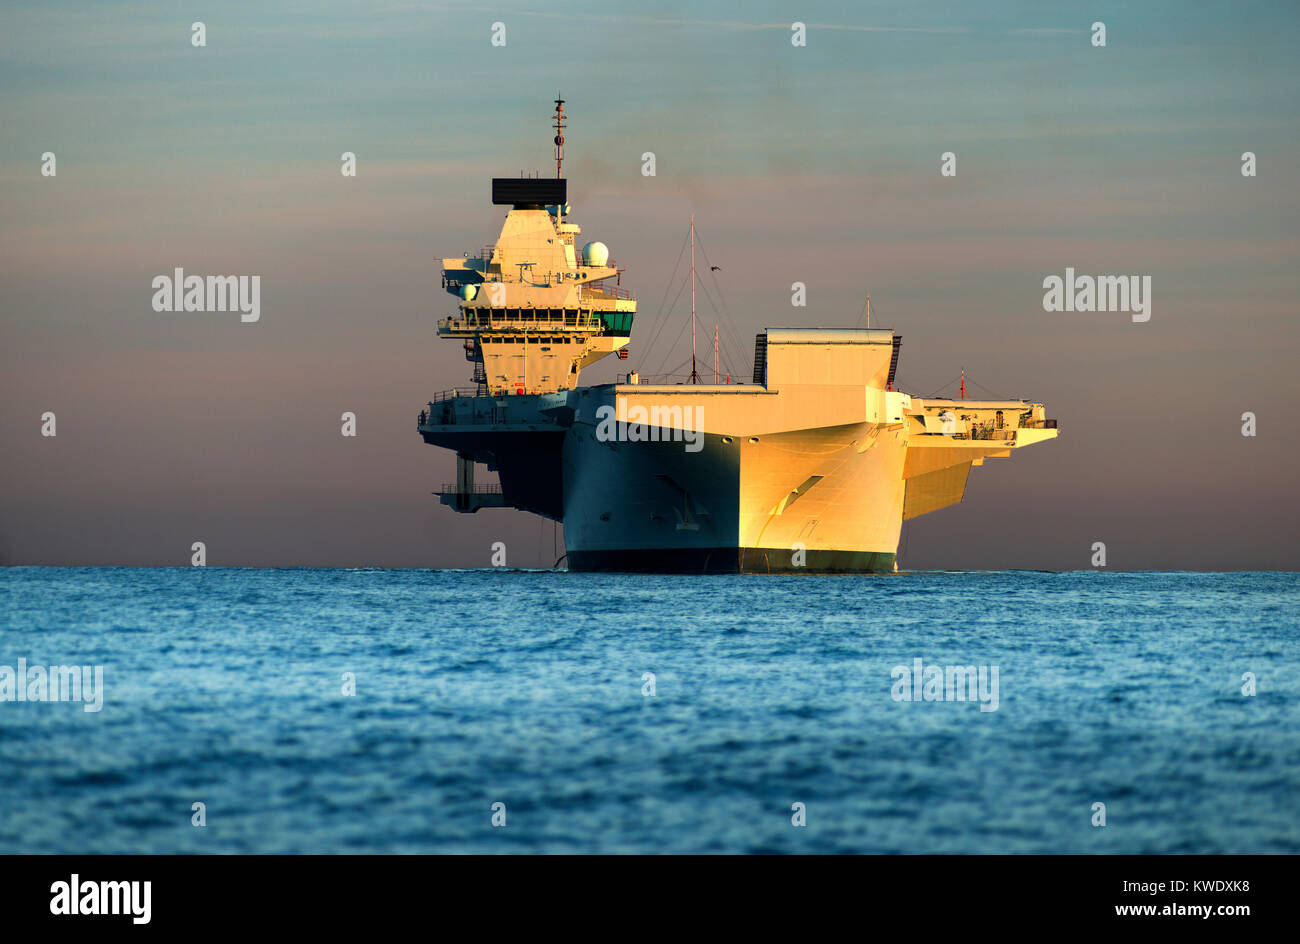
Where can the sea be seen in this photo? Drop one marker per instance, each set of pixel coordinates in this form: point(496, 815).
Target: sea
point(507, 711)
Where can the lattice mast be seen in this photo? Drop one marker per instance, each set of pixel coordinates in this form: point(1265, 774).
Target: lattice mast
point(559, 118)
point(715, 353)
point(695, 375)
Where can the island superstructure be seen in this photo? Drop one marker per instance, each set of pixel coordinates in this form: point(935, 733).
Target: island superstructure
point(811, 467)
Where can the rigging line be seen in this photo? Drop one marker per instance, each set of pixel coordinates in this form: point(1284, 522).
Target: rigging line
point(670, 374)
point(724, 365)
point(735, 339)
point(659, 314)
point(709, 262)
point(726, 309)
point(729, 373)
point(666, 320)
point(738, 371)
point(672, 347)
point(720, 313)
point(709, 298)
point(724, 358)
point(992, 393)
point(664, 316)
point(733, 335)
point(728, 356)
point(743, 354)
point(680, 253)
point(722, 306)
point(723, 316)
point(867, 307)
point(942, 389)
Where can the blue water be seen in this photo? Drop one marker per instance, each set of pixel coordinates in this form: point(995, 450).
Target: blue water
point(224, 686)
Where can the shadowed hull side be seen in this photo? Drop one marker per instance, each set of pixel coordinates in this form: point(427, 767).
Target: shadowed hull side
point(825, 500)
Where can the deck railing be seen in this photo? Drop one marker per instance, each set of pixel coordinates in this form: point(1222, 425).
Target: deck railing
point(606, 291)
point(450, 488)
point(455, 392)
point(497, 318)
point(664, 380)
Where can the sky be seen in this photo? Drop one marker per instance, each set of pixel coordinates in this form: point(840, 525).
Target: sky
point(818, 164)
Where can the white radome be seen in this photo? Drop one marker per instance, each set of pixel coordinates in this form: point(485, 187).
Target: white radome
point(595, 254)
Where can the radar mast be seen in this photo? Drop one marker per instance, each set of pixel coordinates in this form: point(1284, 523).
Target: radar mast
point(560, 118)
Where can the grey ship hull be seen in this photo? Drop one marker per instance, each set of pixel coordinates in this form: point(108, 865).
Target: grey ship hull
point(660, 507)
point(813, 469)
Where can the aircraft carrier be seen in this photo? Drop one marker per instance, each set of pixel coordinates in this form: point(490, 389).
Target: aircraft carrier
point(811, 467)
